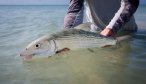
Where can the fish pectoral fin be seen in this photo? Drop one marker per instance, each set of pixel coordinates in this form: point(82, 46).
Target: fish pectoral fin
point(62, 51)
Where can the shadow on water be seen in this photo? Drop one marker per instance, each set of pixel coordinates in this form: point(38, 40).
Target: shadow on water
point(136, 68)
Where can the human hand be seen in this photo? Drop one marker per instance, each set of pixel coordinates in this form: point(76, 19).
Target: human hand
point(106, 32)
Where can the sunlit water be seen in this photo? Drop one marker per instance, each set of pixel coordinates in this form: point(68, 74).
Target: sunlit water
point(19, 25)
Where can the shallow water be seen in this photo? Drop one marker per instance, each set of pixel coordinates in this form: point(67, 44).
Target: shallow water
point(20, 25)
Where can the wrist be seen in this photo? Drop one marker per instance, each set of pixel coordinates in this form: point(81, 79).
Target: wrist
point(107, 32)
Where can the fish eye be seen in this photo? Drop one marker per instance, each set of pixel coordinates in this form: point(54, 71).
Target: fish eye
point(38, 45)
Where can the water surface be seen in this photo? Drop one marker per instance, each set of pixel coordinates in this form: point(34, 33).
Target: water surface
point(19, 25)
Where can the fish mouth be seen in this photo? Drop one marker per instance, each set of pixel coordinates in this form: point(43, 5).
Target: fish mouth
point(27, 57)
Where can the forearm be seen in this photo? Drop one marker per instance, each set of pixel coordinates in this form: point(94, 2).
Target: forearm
point(124, 14)
point(74, 14)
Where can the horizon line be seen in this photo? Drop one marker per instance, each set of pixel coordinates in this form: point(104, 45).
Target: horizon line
point(31, 4)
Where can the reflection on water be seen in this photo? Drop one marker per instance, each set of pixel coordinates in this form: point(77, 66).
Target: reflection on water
point(137, 60)
point(124, 64)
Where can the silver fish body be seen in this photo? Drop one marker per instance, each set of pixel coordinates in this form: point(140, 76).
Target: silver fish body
point(77, 38)
point(72, 39)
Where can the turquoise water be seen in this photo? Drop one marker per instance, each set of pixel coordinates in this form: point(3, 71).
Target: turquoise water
point(20, 25)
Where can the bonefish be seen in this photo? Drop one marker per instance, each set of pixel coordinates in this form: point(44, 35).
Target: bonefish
point(69, 39)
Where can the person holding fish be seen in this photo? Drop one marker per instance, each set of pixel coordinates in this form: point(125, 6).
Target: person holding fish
point(112, 17)
point(109, 17)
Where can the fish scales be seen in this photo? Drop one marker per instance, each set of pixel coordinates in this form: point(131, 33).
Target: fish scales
point(69, 39)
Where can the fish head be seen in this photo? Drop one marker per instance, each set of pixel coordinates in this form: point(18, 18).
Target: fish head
point(41, 46)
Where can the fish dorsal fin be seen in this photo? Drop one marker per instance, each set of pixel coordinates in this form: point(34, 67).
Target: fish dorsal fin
point(84, 26)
